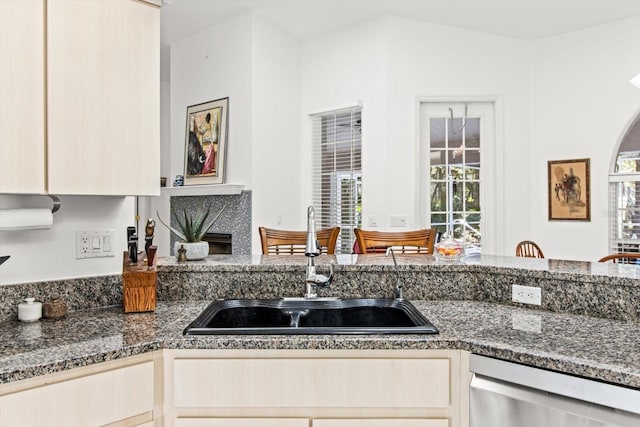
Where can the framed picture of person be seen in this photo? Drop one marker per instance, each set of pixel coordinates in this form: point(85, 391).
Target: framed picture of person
point(568, 187)
point(205, 142)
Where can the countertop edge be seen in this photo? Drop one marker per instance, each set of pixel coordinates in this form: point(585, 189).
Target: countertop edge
point(485, 341)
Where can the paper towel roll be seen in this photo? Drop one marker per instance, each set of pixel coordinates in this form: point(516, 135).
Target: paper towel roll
point(25, 219)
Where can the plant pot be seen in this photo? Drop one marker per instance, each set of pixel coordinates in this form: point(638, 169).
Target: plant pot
point(195, 250)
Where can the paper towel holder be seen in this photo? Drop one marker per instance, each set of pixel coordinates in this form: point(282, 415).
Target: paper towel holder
point(57, 204)
point(29, 218)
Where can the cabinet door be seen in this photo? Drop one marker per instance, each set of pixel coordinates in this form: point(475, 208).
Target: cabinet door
point(22, 109)
point(103, 60)
point(93, 400)
point(242, 422)
point(381, 423)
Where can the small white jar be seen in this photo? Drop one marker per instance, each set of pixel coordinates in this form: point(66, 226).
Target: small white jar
point(30, 310)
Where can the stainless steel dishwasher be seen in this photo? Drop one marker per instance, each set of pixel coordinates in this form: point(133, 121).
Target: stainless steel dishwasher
point(505, 394)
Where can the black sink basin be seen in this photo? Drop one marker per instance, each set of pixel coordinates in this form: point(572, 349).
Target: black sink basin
point(349, 316)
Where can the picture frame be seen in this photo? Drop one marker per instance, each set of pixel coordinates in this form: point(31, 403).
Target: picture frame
point(206, 142)
point(569, 190)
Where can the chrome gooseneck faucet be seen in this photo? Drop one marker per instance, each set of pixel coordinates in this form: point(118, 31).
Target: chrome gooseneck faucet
point(312, 250)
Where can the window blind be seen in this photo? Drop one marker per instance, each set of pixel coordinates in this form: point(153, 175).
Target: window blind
point(624, 194)
point(337, 172)
point(624, 215)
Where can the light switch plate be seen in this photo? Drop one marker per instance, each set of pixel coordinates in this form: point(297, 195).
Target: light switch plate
point(398, 221)
point(94, 243)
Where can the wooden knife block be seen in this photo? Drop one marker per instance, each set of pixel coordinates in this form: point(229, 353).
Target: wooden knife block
point(139, 284)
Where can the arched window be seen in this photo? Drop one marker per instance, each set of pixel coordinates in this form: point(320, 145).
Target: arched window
point(624, 194)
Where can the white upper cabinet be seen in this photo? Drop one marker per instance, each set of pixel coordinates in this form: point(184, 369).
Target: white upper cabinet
point(22, 109)
point(100, 134)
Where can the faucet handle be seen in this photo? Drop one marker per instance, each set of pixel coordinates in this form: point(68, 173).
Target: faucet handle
point(321, 280)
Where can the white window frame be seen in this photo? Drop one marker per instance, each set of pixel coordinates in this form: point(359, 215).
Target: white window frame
point(491, 140)
point(332, 217)
point(616, 180)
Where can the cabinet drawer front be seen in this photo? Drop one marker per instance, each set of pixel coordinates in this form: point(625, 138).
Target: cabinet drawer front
point(381, 423)
point(292, 382)
point(86, 401)
point(242, 422)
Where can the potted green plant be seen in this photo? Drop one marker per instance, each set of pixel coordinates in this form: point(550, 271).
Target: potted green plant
point(192, 227)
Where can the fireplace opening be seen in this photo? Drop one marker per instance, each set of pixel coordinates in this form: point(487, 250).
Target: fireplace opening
point(219, 243)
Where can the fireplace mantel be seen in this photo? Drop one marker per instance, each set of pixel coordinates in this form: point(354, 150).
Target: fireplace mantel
point(234, 220)
point(204, 190)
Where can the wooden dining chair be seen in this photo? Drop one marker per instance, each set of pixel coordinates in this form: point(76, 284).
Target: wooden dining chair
point(528, 249)
point(406, 242)
point(286, 242)
point(622, 258)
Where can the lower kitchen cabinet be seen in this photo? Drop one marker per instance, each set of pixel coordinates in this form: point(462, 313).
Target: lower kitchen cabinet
point(116, 393)
point(242, 422)
point(250, 388)
point(303, 422)
point(318, 388)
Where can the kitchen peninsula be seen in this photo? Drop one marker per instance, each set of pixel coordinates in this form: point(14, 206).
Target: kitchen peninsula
point(586, 326)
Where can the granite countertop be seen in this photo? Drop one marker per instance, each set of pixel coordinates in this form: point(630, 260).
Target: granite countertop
point(596, 348)
point(584, 270)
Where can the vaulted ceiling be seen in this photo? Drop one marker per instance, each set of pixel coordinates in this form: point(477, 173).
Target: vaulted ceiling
point(306, 19)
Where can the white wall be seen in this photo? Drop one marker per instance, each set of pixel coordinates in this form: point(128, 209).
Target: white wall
point(388, 64)
point(429, 61)
point(150, 207)
point(257, 66)
point(582, 106)
point(214, 64)
point(40, 255)
point(276, 146)
point(343, 69)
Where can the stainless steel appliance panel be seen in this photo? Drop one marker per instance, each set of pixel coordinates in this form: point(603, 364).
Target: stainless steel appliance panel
point(503, 395)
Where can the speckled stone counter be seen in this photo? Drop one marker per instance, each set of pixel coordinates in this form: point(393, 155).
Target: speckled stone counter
point(470, 303)
point(596, 289)
point(601, 349)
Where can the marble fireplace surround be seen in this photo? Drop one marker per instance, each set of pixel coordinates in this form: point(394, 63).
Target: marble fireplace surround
point(235, 220)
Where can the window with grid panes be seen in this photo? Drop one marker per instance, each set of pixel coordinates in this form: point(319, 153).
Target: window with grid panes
point(337, 173)
point(624, 195)
point(455, 151)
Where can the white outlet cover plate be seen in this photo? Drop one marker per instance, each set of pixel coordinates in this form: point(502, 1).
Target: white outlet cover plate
point(90, 243)
point(526, 294)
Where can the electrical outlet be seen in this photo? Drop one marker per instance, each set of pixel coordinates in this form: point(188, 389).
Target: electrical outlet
point(526, 294)
point(82, 244)
point(398, 221)
point(94, 243)
point(373, 221)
